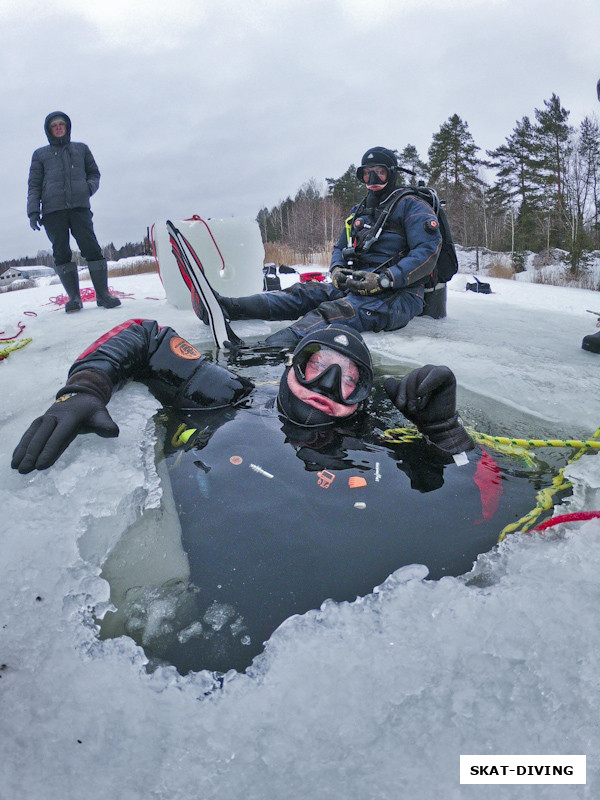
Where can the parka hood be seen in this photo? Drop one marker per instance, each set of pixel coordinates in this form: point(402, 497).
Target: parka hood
point(63, 139)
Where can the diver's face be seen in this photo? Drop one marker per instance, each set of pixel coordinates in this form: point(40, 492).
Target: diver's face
point(375, 177)
point(315, 366)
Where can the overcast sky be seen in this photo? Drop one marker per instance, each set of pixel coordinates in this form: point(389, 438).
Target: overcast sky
point(221, 107)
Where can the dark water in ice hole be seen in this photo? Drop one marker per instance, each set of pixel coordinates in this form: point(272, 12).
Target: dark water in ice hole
point(203, 581)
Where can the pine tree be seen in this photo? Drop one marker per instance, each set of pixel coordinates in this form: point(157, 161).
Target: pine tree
point(553, 139)
point(453, 171)
point(453, 161)
point(346, 191)
point(409, 158)
point(519, 185)
point(589, 150)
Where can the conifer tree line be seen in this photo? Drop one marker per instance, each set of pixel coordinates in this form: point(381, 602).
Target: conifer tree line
point(544, 193)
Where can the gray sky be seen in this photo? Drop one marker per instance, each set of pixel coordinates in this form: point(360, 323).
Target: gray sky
point(221, 107)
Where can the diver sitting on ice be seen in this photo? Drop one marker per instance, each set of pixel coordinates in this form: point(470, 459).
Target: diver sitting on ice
point(288, 497)
point(385, 259)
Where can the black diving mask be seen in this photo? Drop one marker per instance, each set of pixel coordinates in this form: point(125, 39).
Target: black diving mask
point(332, 374)
point(373, 175)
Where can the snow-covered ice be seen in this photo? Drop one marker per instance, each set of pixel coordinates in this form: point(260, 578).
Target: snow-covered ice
point(372, 699)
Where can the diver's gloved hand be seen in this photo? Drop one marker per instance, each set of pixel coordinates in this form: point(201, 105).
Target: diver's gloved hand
point(427, 397)
point(339, 276)
point(367, 283)
point(80, 407)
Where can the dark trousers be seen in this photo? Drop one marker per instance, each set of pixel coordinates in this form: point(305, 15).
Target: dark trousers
point(321, 304)
point(78, 221)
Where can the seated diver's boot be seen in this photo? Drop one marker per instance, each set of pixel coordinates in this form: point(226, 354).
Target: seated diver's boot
point(99, 275)
point(256, 306)
point(69, 277)
point(253, 307)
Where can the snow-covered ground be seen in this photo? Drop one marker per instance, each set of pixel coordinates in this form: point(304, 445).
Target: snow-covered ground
point(548, 268)
point(365, 700)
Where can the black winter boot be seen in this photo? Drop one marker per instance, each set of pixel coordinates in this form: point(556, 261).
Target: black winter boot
point(99, 276)
point(255, 306)
point(69, 277)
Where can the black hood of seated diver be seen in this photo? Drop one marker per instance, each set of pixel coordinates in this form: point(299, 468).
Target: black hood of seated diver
point(348, 343)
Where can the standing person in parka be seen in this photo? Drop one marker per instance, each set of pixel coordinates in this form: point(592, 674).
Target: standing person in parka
point(378, 272)
point(62, 178)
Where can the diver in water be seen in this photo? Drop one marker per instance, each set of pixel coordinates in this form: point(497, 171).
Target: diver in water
point(290, 496)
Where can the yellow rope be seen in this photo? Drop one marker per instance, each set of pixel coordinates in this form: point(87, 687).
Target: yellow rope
point(512, 446)
point(519, 447)
point(12, 346)
point(545, 496)
point(400, 435)
point(544, 502)
point(502, 440)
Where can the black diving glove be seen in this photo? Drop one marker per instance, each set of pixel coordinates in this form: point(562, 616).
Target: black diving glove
point(339, 276)
point(80, 407)
point(367, 283)
point(427, 397)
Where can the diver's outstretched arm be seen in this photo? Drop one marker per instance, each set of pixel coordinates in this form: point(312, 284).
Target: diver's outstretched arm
point(80, 407)
point(174, 371)
point(427, 397)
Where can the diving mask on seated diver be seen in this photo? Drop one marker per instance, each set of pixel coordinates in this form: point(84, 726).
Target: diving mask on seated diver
point(373, 176)
point(333, 362)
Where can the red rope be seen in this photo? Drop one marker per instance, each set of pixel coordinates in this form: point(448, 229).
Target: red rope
point(21, 326)
point(576, 516)
point(88, 295)
point(196, 218)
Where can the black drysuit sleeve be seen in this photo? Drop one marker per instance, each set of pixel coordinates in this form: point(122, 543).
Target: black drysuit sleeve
point(174, 371)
